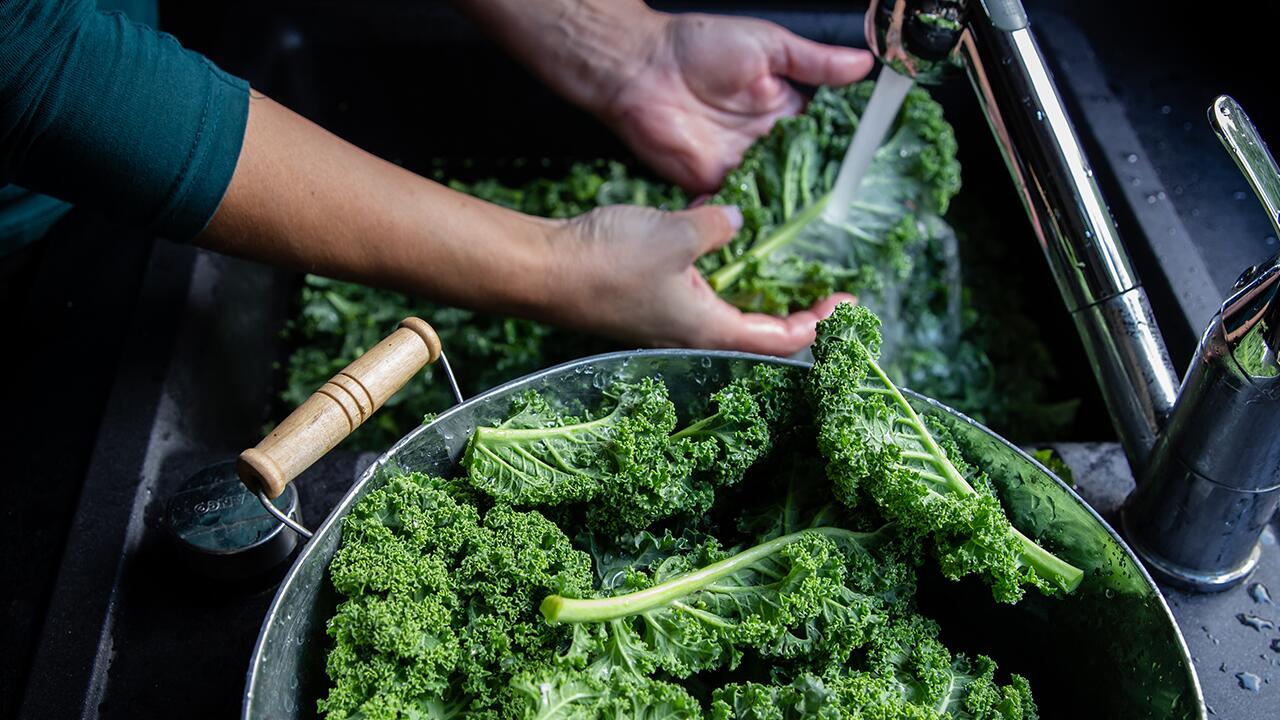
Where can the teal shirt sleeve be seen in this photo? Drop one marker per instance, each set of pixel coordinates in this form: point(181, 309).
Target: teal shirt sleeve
point(109, 114)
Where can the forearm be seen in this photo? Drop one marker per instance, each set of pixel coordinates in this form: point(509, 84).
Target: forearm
point(303, 198)
point(583, 49)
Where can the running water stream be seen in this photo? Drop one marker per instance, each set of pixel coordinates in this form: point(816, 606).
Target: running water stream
point(873, 127)
point(937, 256)
point(882, 109)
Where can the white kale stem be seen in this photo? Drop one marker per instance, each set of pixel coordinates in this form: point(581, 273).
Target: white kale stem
point(559, 609)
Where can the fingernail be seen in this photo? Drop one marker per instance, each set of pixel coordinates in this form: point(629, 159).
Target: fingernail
point(735, 216)
point(855, 61)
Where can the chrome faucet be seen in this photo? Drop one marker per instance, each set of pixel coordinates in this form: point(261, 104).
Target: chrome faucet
point(1213, 482)
point(1205, 457)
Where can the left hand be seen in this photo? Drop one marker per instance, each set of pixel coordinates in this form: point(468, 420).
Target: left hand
point(708, 86)
point(628, 273)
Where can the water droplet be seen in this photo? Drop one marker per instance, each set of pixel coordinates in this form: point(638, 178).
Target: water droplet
point(1165, 109)
point(1135, 181)
point(1040, 115)
point(1239, 195)
point(1151, 199)
point(1270, 240)
point(705, 362)
point(1255, 622)
point(1249, 681)
point(1186, 126)
point(1259, 593)
point(1131, 158)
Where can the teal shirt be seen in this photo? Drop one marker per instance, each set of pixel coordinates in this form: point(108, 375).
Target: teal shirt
point(106, 113)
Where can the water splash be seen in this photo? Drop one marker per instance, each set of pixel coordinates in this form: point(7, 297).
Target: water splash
point(1255, 622)
point(1260, 594)
point(1249, 681)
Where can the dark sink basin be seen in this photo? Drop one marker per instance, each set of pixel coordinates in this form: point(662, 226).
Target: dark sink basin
point(411, 81)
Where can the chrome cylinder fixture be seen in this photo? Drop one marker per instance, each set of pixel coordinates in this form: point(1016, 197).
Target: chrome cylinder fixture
point(1214, 479)
point(1208, 468)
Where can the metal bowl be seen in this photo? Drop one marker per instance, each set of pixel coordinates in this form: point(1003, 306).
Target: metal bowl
point(1110, 649)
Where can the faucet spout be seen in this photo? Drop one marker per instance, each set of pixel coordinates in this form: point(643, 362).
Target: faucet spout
point(1208, 483)
point(993, 42)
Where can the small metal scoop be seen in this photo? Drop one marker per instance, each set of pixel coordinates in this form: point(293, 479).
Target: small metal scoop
point(219, 525)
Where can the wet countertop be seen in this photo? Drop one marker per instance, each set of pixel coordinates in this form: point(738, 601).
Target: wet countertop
point(1234, 635)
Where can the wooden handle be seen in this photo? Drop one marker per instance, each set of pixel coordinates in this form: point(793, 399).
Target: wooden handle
point(338, 407)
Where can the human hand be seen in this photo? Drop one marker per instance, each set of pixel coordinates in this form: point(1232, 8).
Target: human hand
point(708, 86)
point(628, 273)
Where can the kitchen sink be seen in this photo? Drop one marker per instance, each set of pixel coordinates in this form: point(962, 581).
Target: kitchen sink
point(131, 632)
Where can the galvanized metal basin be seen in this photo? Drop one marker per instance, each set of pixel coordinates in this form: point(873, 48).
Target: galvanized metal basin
point(1111, 649)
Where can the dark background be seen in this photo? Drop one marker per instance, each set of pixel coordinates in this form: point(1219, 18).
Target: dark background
point(68, 299)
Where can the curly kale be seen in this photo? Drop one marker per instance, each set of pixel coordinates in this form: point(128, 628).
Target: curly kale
point(339, 321)
point(566, 695)
point(877, 445)
point(541, 457)
point(440, 601)
point(782, 258)
point(460, 598)
point(631, 459)
point(908, 674)
point(786, 597)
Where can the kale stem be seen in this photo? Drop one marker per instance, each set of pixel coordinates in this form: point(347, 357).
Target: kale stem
point(556, 608)
point(725, 277)
point(1049, 566)
point(1046, 564)
point(697, 427)
point(954, 480)
point(525, 434)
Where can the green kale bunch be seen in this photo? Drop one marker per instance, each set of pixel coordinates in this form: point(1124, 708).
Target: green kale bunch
point(894, 251)
point(876, 445)
point(630, 459)
point(784, 257)
point(630, 561)
point(441, 598)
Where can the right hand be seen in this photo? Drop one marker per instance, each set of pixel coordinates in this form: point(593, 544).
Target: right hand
point(628, 273)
